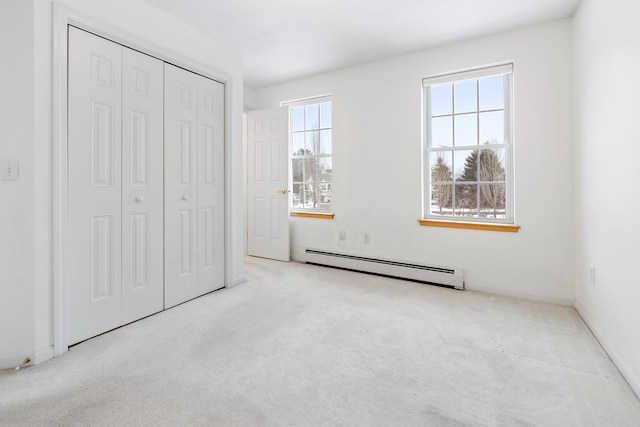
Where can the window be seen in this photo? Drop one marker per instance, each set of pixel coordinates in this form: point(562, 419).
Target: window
point(311, 158)
point(467, 146)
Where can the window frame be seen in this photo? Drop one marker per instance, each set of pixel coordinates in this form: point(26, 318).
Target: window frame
point(316, 100)
point(475, 74)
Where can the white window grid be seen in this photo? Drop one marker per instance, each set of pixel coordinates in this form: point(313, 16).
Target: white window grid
point(505, 70)
point(320, 100)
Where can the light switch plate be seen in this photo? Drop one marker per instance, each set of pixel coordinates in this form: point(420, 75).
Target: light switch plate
point(9, 170)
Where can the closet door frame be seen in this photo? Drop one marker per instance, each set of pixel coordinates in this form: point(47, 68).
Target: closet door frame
point(63, 17)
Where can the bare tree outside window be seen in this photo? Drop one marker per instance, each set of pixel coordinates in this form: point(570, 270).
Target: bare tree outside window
point(493, 194)
point(440, 191)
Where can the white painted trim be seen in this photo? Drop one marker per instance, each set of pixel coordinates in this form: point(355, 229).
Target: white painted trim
point(62, 18)
point(237, 281)
point(228, 170)
point(474, 73)
point(43, 355)
point(521, 295)
point(633, 382)
point(306, 101)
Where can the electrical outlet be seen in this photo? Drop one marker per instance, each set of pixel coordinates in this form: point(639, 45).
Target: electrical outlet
point(366, 237)
point(592, 275)
point(342, 235)
point(9, 170)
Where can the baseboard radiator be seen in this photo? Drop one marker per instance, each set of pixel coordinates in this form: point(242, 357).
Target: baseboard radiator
point(447, 276)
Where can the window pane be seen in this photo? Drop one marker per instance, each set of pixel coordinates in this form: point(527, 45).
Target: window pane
point(441, 132)
point(325, 142)
point(307, 200)
point(312, 195)
point(492, 127)
point(491, 165)
point(313, 140)
point(325, 181)
point(466, 200)
point(325, 169)
point(312, 117)
point(297, 198)
point(441, 169)
point(493, 200)
point(466, 128)
point(309, 195)
point(441, 199)
point(297, 119)
point(465, 163)
point(297, 169)
point(492, 93)
point(466, 96)
point(297, 144)
point(325, 115)
point(441, 100)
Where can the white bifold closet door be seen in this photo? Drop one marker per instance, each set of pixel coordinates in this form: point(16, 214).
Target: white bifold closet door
point(115, 185)
point(142, 186)
point(194, 185)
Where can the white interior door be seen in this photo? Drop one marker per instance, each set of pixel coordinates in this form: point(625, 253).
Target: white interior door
point(194, 185)
point(94, 189)
point(268, 183)
point(180, 186)
point(210, 100)
point(142, 185)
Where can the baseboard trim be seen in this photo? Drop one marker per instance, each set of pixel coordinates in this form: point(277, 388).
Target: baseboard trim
point(521, 295)
point(609, 349)
point(43, 355)
point(237, 281)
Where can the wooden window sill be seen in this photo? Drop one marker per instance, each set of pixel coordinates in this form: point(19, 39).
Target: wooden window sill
point(470, 225)
point(320, 215)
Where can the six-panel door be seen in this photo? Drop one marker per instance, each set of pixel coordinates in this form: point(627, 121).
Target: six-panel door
point(268, 183)
point(142, 185)
point(94, 189)
point(145, 209)
point(194, 185)
point(210, 100)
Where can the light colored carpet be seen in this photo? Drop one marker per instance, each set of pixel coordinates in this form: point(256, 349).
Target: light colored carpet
point(306, 345)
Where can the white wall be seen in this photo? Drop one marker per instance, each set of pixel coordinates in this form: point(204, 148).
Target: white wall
point(377, 164)
point(25, 253)
point(16, 197)
point(607, 130)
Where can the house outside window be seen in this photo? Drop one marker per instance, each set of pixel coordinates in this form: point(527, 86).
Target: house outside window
point(311, 155)
point(468, 160)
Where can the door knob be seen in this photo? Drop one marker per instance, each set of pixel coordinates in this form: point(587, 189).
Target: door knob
point(185, 198)
point(139, 199)
point(283, 191)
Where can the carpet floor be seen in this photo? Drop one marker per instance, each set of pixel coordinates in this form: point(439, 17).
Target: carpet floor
point(299, 345)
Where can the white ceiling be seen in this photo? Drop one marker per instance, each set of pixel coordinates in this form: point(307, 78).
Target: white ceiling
point(286, 39)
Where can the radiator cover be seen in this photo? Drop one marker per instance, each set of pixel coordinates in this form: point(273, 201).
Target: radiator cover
point(447, 276)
